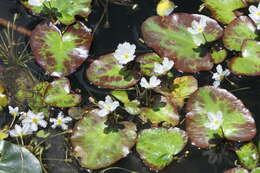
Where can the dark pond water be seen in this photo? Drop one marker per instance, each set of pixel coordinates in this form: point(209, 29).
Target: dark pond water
point(124, 26)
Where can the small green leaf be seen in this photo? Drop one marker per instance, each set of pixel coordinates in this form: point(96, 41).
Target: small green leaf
point(17, 159)
point(42, 134)
point(3, 135)
point(218, 56)
point(248, 155)
point(3, 97)
point(157, 146)
point(121, 95)
point(132, 107)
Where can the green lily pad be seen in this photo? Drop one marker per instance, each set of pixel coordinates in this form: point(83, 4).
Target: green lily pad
point(66, 8)
point(253, 1)
point(3, 97)
point(256, 170)
point(58, 94)
point(248, 155)
point(132, 107)
point(224, 10)
point(183, 87)
point(237, 31)
point(17, 159)
point(169, 37)
point(106, 72)
point(157, 146)
point(237, 122)
point(167, 114)
point(147, 62)
point(218, 56)
point(60, 54)
point(97, 149)
point(249, 63)
point(237, 170)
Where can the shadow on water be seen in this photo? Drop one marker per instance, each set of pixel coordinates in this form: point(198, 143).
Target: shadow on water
point(125, 26)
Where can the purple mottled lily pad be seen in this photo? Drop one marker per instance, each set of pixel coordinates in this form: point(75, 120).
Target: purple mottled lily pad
point(106, 72)
point(169, 37)
point(147, 63)
point(237, 31)
point(97, 149)
point(60, 54)
point(237, 122)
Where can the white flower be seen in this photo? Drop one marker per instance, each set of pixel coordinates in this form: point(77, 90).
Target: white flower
point(36, 2)
point(2, 95)
point(60, 121)
point(215, 120)
point(219, 75)
point(198, 27)
point(33, 120)
point(13, 111)
point(164, 67)
point(107, 106)
point(153, 82)
point(20, 131)
point(125, 53)
point(255, 14)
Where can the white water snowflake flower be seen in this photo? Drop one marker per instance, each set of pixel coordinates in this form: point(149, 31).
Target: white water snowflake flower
point(13, 111)
point(106, 106)
point(164, 67)
point(60, 121)
point(219, 75)
point(33, 120)
point(153, 82)
point(36, 2)
point(19, 131)
point(125, 53)
point(198, 27)
point(215, 120)
point(255, 14)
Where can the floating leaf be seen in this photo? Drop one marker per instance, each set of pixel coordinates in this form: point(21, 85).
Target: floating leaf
point(248, 155)
point(237, 31)
point(167, 114)
point(3, 97)
point(157, 146)
point(238, 123)
point(147, 62)
point(218, 56)
point(58, 94)
point(66, 8)
point(42, 134)
point(105, 72)
point(60, 54)
point(76, 112)
point(256, 170)
point(237, 170)
point(169, 37)
point(97, 149)
point(183, 87)
point(121, 95)
point(224, 10)
point(16, 159)
point(249, 63)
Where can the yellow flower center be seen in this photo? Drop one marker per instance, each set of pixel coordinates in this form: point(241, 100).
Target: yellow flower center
point(108, 107)
point(258, 13)
point(126, 56)
point(200, 29)
point(59, 121)
point(216, 122)
point(35, 120)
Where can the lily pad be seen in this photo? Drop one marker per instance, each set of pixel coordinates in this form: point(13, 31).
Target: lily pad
point(16, 159)
point(248, 155)
point(256, 170)
point(237, 31)
point(237, 170)
point(167, 114)
point(218, 56)
point(106, 72)
point(157, 146)
point(237, 122)
point(147, 62)
point(60, 54)
point(66, 8)
point(249, 63)
point(183, 87)
point(58, 94)
point(3, 97)
point(169, 37)
point(97, 149)
point(224, 10)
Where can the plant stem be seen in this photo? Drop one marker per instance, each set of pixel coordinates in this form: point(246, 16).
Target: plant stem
point(117, 168)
